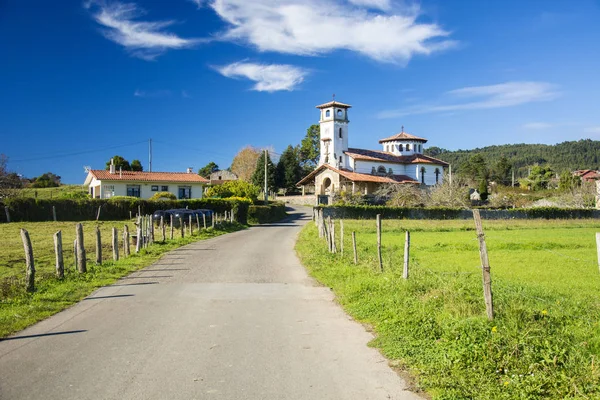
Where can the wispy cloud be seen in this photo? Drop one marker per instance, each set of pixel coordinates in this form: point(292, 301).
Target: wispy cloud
point(502, 95)
point(146, 40)
point(152, 93)
point(198, 3)
point(536, 125)
point(268, 77)
point(314, 27)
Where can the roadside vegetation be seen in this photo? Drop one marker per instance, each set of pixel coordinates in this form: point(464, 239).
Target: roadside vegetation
point(19, 309)
point(544, 342)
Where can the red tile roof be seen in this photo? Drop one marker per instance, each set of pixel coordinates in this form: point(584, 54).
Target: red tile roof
point(334, 104)
point(587, 174)
point(383, 156)
point(144, 176)
point(357, 177)
point(403, 136)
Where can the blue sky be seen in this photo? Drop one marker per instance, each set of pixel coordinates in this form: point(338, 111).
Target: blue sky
point(81, 81)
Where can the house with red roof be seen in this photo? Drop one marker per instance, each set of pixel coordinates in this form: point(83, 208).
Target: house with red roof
point(587, 175)
point(104, 184)
point(351, 170)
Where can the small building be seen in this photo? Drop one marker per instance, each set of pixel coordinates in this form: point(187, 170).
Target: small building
point(103, 184)
point(342, 168)
point(587, 175)
point(222, 176)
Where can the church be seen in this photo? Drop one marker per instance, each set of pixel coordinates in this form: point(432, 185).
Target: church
point(346, 169)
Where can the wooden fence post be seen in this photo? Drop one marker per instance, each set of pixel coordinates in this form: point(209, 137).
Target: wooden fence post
point(204, 220)
point(172, 228)
point(342, 237)
point(138, 232)
point(28, 260)
point(54, 213)
point(485, 265)
point(151, 219)
point(98, 215)
point(354, 247)
point(406, 255)
point(162, 228)
point(98, 246)
point(7, 212)
point(181, 227)
point(231, 219)
point(126, 246)
point(333, 246)
point(115, 244)
point(58, 251)
point(75, 252)
point(598, 247)
point(198, 222)
point(81, 261)
point(212, 219)
point(379, 242)
point(190, 227)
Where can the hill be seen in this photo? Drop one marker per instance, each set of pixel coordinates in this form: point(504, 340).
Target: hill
point(581, 154)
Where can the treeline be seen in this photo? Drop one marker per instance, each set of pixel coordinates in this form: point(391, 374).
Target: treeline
point(566, 156)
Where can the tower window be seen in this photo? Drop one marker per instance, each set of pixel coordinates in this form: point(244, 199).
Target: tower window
point(340, 159)
point(407, 147)
point(340, 113)
point(423, 175)
point(327, 114)
point(401, 147)
point(340, 133)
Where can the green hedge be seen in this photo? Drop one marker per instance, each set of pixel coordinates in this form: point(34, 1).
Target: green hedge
point(370, 212)
point(274, 212)
point(113, 209)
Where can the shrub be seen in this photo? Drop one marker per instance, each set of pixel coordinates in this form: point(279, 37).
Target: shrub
point(258, 214)
point(234, 189)
point(163, 196)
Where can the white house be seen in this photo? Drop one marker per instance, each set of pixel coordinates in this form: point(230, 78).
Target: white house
point(341, 168)
point(103, 184)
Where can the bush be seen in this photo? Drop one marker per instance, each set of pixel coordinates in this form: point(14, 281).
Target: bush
point(234, 189)
point(265, 214)
point(163, 196)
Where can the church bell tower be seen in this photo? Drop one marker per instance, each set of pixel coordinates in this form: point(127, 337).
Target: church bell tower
point(334, 134)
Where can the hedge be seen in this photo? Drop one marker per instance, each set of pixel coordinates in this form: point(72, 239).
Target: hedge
point(258, 214)
point(113, 209)
point(370, 212)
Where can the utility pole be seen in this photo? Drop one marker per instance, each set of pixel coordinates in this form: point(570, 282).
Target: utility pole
point(266, 195)
point(150, 155)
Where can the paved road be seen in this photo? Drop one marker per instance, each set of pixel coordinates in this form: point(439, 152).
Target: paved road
point(234, 317)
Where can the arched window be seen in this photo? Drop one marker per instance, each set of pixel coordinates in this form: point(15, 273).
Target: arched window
point(340, 160)
point(407, 147)
point(423, 175)
point(437, 175)
point(327, 114)
point(340, 112)
point(381, 169)
point(401, 147)
point(340, 133)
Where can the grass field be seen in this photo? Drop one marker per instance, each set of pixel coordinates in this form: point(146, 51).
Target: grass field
point(19, 309)
point(545, 340)
point(61, 192)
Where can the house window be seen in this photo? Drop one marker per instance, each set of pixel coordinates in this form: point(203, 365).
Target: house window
point(437, 175)
point(327, 114)
point(401, 147)
point(407, 147)
point(109, 191)
point(164, 188)
point(340, 133)
point(185, 192)
point(154, 188)
point(423, 175)
point(133, 190)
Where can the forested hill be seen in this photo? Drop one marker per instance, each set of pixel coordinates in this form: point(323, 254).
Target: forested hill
point(582, 154)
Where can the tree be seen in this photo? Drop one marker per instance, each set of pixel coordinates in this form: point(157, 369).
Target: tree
point(501, 171)
point(569, 181)
point(120, 163)
point(244, 163)
point(136, 165)
point(288, 169)
point(539, 178)
point(258, 178)
point(9, 181)
point(46, 180)
point(208, 169)
point(310, 149)
point(475, 168)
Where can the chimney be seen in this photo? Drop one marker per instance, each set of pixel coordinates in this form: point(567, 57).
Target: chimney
point(112, 166)
point(190, 170)
point(120, 172)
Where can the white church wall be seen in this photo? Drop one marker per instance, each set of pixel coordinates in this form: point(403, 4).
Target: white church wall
point(365, 167)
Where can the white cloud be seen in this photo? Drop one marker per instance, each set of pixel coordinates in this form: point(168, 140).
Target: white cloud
point(146, 40)
point(502, 95)
point(313, 27)
point(536, 125)
point(152, 93)
point(198, 3)
point(268, 78)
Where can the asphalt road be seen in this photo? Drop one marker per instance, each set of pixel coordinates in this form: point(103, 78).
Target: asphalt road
point(234, 317)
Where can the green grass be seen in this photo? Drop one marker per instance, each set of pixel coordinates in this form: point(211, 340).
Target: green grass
point(19, 309)
point(61, 192)
point(545, 340)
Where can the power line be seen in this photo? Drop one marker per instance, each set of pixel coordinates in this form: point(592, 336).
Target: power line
point(76, 153)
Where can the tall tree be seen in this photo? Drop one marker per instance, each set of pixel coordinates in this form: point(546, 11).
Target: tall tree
point(288, 169)
point(475, 168)
point(501, 171)
point(120, 163)
point(310, 149)
point(46, 180)
point(244, 163)
point(136, 165)
point(208, 169)
point(258, 177)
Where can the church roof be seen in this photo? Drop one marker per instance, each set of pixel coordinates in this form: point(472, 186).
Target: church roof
point(358, 177)
point(334, 104)
point(403, 136)
point(374, 155)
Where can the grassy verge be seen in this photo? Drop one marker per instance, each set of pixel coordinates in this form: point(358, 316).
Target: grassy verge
point(19, 309)
point(545, 340)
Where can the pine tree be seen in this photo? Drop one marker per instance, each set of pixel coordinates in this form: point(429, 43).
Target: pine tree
point(288, 169)
point(258, 178)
